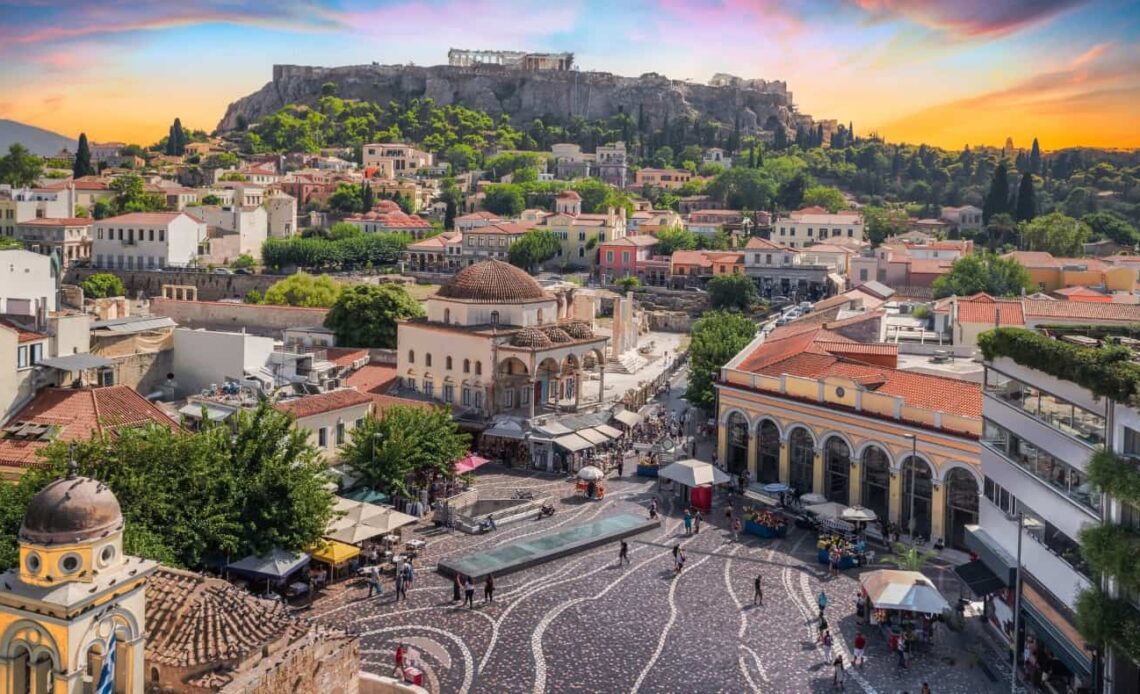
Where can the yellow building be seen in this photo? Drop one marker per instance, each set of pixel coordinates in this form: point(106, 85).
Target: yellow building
point(1048, 274)
point(578, 232)
point(813, 409)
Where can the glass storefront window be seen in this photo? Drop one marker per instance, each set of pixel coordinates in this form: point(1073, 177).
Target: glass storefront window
point(1065, 479)
point(1062, 415)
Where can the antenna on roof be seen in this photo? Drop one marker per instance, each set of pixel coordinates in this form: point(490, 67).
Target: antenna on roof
point(72, 466)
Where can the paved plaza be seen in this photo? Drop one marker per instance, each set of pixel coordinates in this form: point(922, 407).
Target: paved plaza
point(584, 623)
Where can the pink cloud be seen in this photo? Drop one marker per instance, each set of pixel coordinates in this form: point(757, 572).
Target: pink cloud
point(970, 18)
point(477, 24)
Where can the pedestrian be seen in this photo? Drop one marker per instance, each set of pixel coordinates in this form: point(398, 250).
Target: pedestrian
point(697, 523)
point(925, 688)
point(758, 590)
point(409, 576)
point(469, 593)
point(676, 551)
point(623, 553)
point(457, 589)
point(680, 561)
point(860, 646)
point(822, 626)
point(728, 513)
point(401, 590)
point(833, 562)
point(489, 589)
point(859, 607)
point(374, 585)
point(653, 509)
point(399, 670)
point(688, 522)
point(714, 459)
point(825, 639)
point(840, 675)
point(900, 648)
point(822, 602)
point(621, 465)
point(736, 529)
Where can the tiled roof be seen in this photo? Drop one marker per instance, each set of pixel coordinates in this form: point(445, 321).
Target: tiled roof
point(144, 218)
point(983, 308)
point(57, 222)
point(372, 378)
point(492, 281)
point(192, 621)
point(78, 413)
point(23, 334)
point(509, 228)
point(923, 266)
point(322, 403)
point(630, 241)
point(757, 243)
point(345, 356)
point(1040, 259)
point(1080, 291)
point(1082, 310)
point(475, 216)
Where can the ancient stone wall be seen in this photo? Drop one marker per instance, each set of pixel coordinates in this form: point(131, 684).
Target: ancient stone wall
point(211, 287)
point(257, 319)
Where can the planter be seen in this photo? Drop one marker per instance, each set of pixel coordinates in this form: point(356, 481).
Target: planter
point(845, 562)
point(754, 528)
point(647, 470)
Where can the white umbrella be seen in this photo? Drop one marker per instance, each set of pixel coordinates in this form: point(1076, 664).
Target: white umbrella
point(590, 473)
point(889, 589)
point(693, 473)
point(813, 498)
point(859, 514)
point(828, 509)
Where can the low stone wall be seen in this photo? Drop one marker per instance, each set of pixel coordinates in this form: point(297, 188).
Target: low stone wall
point(211, 287)
point(379, 684)
point(257, 319)
point(671, 321)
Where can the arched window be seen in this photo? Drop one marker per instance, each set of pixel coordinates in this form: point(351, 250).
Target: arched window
point(494, 317)
point(411, 356)
point(427, 359)
point(447, 363)
point(877, 481)
point(478, 368)
point(466, 366)
point(917, 493)
point(768, 450)
point(801, 451)
point(446, 315)
point(837, 470)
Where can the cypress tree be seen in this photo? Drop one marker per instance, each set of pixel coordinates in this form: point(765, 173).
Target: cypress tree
point(82, 165)
point(997, 201)
point(1035, 158)
point(367, 199)
point(178, 138)
point(752, 157)
point(1026, 199)
point(819, 136)
point(780, 140)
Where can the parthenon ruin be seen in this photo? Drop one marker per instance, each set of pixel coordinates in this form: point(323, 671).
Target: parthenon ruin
point(518, 60)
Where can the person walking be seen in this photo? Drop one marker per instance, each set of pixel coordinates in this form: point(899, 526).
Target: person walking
point(680, 561)
point(401, 590)
point(900, 648)
point(736, 529)
point(822, 602)
point(399, 669)
point(860, 645)
point(860, 605)
point(825, 640)
point(925, 688)
point(469, 593)
point(374, 585)
point(728, 513)
point(839, 677)
point(623, 553)
point(409, 577)
point(653, 510)
point(489, 589)
point(697, 523)
point(457, 589)
point(758, 590)
point(688, 522)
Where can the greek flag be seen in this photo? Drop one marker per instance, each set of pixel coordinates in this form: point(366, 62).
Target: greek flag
point(107, 676)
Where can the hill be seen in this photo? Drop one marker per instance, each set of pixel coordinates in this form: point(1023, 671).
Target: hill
point(38, 140)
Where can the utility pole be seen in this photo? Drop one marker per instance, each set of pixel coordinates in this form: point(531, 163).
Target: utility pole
point(1016, 604)
point(911, 524)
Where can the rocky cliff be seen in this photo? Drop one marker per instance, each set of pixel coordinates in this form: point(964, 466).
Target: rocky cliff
point(526, 95)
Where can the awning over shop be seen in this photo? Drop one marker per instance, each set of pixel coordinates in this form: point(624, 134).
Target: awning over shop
point(593, 436)
point(889, 589)
point(276, 565)
point(628, 418)
point(1061, 637)
point(505, 433)
point(573, 443)
point(609, 431)
point(333, 552)
point(979, 578)
point(991, 554)
point(76, 362)
point(554, 429)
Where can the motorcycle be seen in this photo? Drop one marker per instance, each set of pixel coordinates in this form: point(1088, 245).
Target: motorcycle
point(546, 510)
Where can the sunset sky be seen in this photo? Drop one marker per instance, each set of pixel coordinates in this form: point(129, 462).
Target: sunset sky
point(947, 72)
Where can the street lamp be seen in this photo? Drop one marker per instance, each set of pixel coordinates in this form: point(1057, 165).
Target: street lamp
point(910, 522)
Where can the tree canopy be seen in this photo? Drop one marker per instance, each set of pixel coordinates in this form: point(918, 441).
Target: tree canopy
point(1056, 233)
point(405, 444)
point(505, 199)
point(348, 252)
point(982, 272)
point(131, 195)
point(303, 289)
point(1107, 225)
point(828, 197)
point(20, 168)
point(188, 498)
point(732, 292)
point(533, 248)
point(365, 315)
point(101, 285)
point(717, 337)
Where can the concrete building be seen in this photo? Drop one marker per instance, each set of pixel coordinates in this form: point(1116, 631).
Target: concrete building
point(570, 162)
point(709, 222)
point(22, 205)
point(494, 341)
point(785, 271)
point(243, 230)
point(441, 253)
point(329, 418)
point(580, 233)
point(392, 160)
point(801, 229)
point(68, 237)
point(627, 257)
point(147, 240)
point(667, 179)
point(475, 220)
point(1049, 274)
point(823, 413)
point(611, 164)
point(280, 215)
point(964, 218)
point(716, 155)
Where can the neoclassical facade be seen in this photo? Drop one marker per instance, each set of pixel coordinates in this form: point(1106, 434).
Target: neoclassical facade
point(824, 414)
point(494, 341)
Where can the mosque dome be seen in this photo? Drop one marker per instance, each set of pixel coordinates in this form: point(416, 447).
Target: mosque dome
point(69, 511)
point(492, 281)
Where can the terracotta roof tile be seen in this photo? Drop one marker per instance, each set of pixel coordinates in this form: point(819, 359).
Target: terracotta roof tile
point(145, 218)
point(372, 378)
point(345, 356)
point(492, 281)
point(983, 308)
point(321, 403)
point(57, 222)
point(1082, 310)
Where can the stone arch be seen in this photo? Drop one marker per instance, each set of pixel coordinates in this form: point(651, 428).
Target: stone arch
point(922, 497)
point(736, 433)
point(801, 458)
point(767, 418)
point(833, 433)
point(512, 366)
point(961, 488)
point(17, 637)
point(592, 358)
point(837, 468)
point(876, 465)
point(862, 448)
point(571, 364)
point(790, 428)
point(728, 413)
point(768, 436)
point(900, 459)
point(948, 466)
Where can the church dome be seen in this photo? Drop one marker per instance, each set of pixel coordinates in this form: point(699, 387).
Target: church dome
point(71, 510)
point(579, 330)
point(492, 281)
point(557, 335)
point(531, 337)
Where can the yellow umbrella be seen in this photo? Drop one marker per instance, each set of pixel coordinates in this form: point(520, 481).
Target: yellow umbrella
point(333, 552)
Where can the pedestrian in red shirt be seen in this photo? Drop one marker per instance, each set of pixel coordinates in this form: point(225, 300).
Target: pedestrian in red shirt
point(860, 645)
point(400, 661)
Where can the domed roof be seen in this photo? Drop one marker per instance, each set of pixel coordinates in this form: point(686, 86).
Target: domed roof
point(492, 281)
point(530, 337)
point(557, 335)
point(70, 510)
point(578, 330)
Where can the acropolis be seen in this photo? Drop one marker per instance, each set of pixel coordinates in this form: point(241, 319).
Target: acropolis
point(518, 60)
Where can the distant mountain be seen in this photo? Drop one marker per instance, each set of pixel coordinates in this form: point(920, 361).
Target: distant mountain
point(38, 140)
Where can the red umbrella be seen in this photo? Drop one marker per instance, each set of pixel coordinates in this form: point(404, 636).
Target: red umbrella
point(469, 463)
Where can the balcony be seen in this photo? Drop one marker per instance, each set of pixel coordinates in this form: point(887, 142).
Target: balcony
point(1068, 511)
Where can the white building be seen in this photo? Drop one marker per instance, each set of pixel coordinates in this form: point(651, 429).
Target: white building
point(281, 215)
point(147, 240)
point(716, 155)
point(965, 218)
point(27, 284)
point(802, 229)
point(248, 224)
point(329, 418)
point(24, 204)
point(394, 160)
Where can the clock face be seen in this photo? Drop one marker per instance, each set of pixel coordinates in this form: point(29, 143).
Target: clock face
point(840, 391)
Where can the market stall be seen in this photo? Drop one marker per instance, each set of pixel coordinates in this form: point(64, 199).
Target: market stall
point(591, 483)
point(338, 557)
point(660, 454)
point(695, 480)
point(275, 568)
point(764, 523)
point(904, 604)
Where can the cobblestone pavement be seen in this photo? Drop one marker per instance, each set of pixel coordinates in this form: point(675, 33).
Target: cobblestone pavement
point(584, 623)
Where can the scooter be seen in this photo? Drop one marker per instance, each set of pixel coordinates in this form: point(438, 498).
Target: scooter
point(546, 510)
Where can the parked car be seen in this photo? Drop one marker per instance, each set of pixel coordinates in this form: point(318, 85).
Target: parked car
point(223, 271)
point(244, 271)
point(805, 306)
point(782, 320)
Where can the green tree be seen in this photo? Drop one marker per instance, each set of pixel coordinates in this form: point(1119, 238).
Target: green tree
point(505, 200)
point(367, 197)
point(627, 283)
point(1035, 158)
point(1026, 199)
point(20, 168)
point(131, 195)
point(221, 160)
point(346, 199)
point(732, 292)
point(663, 157)
point(243, 261)
point(1056, 233)
point(677, 238)
point(461, 157)
point(82, 166)
point(827, 197)
point(403, 445)
point(1107, 225)
point(1079, 202)
point(983, 272)
point(908, 558)
point(790, 195)
point(365, 315)
point(533, 248)
point(303, 289)
point(101, 285)
point(211, 199)
point(997, 200)
point(176, 140)
point(883, 222)
point(716, 338)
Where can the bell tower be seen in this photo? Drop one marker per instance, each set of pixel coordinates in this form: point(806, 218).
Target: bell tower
point(74, 597)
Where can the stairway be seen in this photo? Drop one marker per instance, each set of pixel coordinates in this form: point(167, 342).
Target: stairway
point(627, 363)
